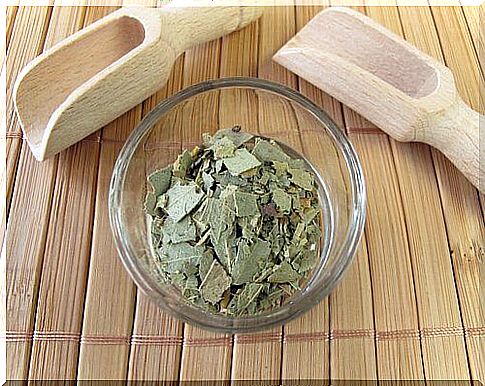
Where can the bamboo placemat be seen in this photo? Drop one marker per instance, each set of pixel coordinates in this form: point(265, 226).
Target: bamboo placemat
point(408, 308)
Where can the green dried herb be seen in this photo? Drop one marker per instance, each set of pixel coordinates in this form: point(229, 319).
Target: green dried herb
point(235, 223)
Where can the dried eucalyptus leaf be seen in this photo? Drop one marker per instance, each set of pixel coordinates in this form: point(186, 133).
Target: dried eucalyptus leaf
point(205, 263)
point(182, 199)
point(246, 204)
point(226, 178)
point(302, 178)
point(250, 260)
point(237, 137)
point(160, 180)
point(215, 283)
point(218, 165)
point(244, 298)
point(208, 181)
point(150, 204)
point(242, 161)
point(175, 256)
point(267, 151)
point(182, 164)
point(223, 148)
point(281, 168)
point(282, 200)
point(177, 232)
point(284, 273)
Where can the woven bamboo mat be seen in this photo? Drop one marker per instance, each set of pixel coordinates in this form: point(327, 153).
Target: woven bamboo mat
point(408, 307)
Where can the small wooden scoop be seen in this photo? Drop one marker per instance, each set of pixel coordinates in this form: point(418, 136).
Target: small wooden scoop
point(406, 93)
point(97, 74)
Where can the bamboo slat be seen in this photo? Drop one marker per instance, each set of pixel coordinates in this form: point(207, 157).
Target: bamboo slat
point(109, 304)
point(25, 239)
point(468, 252)
point(11, 12)
point(460, 206)
point(29, 33)
point(26, 234)
point(155, 345)
point(457, 50)
point(65, 259)
point(433, 276)
point(392, 283)
point(474, 19)
point(28, 36)
point(351, 303)
point(157, 337)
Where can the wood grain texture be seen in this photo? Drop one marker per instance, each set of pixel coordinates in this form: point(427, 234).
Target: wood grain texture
point(433, 276)
point(25, 241)
point(65, 261)
point(351, 307)
point(109, 304)
point(29, 33)
point(386, 236)
point(474, 20)
point(10, 14)
point(461, 208)
point(27, 40)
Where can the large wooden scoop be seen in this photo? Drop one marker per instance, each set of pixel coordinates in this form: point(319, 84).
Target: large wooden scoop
point(406, 93)
point(97, 74)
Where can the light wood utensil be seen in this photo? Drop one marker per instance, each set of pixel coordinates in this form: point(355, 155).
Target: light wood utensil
point(97, 74)
point(406, 93)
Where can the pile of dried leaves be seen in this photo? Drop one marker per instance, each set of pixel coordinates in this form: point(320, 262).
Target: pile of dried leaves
point(235, 223)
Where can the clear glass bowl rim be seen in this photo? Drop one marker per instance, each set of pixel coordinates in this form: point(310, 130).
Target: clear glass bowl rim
point(282, 314)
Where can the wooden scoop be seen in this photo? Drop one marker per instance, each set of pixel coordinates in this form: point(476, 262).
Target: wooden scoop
point(406, 93)
point(97, 74)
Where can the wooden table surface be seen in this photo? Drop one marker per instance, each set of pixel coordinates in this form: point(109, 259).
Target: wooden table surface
point(408, 307)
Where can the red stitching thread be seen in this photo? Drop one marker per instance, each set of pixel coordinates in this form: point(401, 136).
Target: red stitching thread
point(397, 334)
point(214, 342)
point(306, 337)
point(347, 334)
point(107, 340)
point(154, 340)
point(475, 331)
point(13, 135)
point(56, 336)
point(259, 338)
point(441, 331)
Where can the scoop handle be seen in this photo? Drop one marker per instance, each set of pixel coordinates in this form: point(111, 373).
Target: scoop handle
point(188, 26)
point(456, 133)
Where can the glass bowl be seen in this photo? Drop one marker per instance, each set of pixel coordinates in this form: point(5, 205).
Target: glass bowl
point(260, 107)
